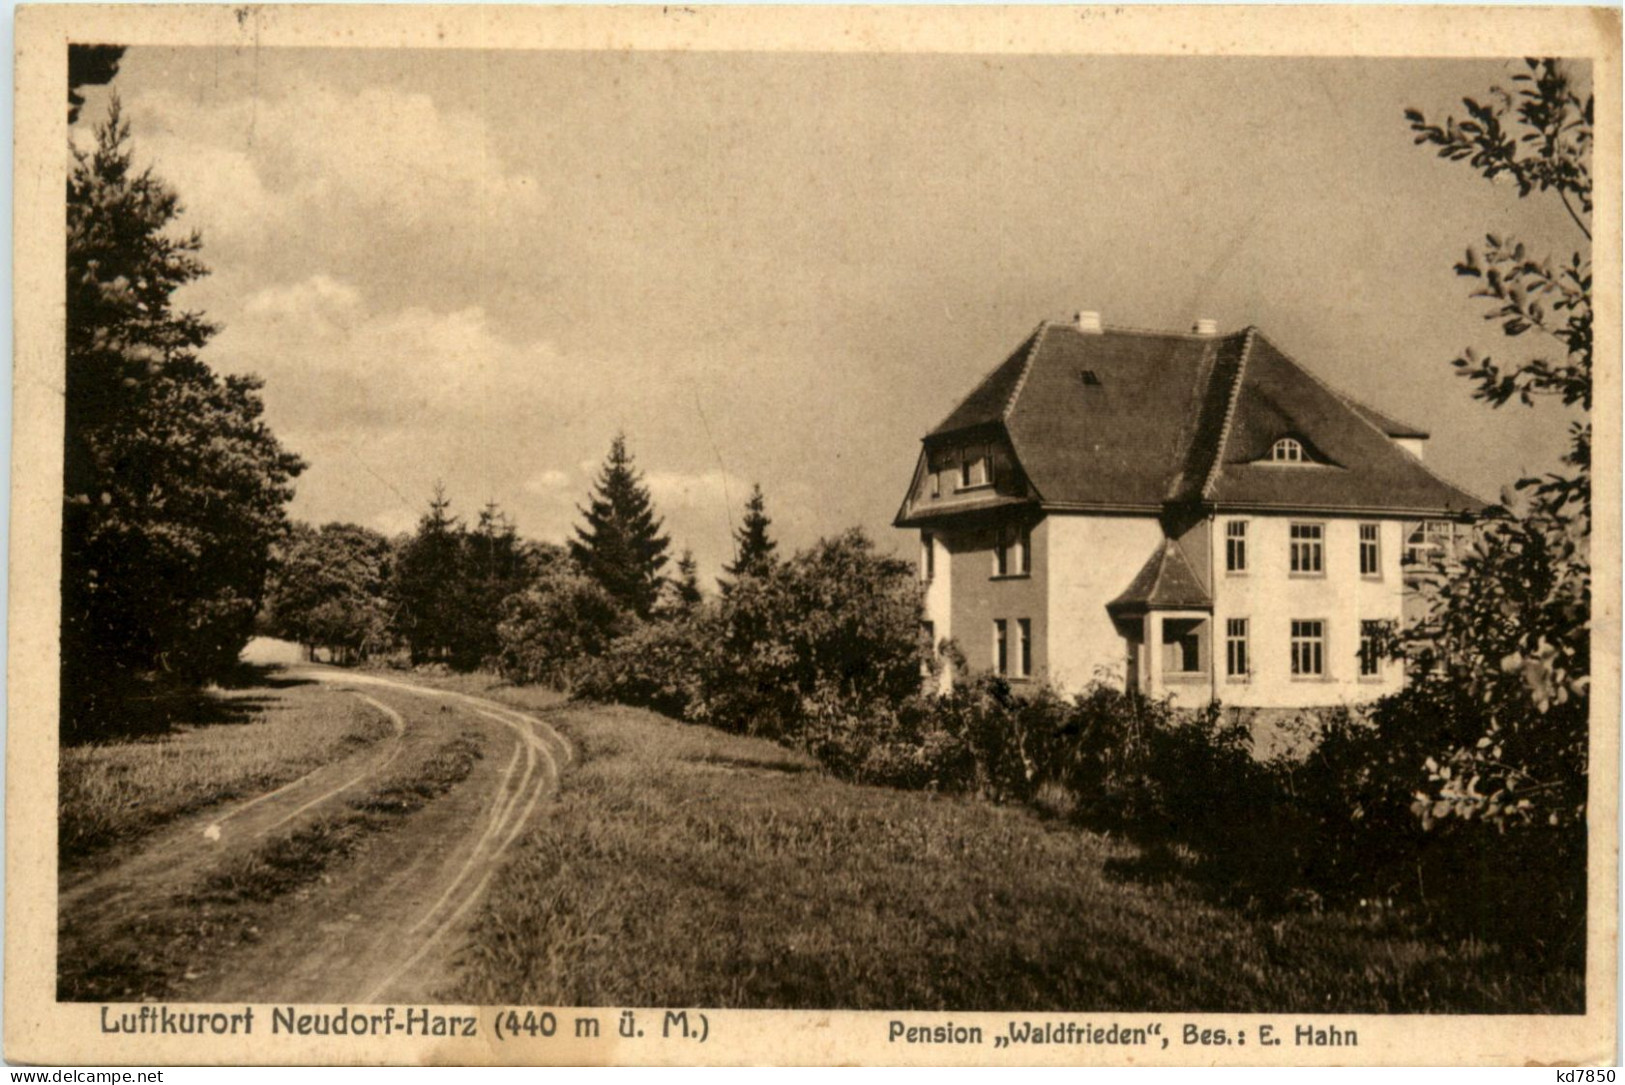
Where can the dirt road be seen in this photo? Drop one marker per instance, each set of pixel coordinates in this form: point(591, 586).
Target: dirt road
point(388, 851)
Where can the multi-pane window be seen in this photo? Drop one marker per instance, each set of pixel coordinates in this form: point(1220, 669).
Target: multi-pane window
point(1431, 539)
point(1012, 552)
point(928, 556)
point(1001, 646)
point(1308, 648)
point(1370, 660)
point(1287, 450)
point(1308, 546)
point(1024, 629)
point(975, 466)
point(1235, 546)
point(1370, 550)
point(1235, 647)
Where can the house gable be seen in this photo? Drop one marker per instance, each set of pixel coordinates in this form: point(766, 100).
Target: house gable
point(1354, 465)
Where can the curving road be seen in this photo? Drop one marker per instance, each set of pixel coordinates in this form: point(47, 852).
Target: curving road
point(384, 925)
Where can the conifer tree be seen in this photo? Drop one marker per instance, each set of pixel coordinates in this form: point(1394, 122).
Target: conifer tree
point(174, 486)
point(429, 576)
point(493, 569)
point(753, 547)
point(621, 545)
point(688, 581)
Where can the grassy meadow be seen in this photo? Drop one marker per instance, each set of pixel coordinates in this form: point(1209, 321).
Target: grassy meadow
point(196, 750)
point(685, 866)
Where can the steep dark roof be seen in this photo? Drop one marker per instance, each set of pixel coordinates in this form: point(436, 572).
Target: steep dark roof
point(1360, 467)
point(1390, 425)
point(1118, 441)
point(990, 399)
point(1166, 582)
point(1168, 418)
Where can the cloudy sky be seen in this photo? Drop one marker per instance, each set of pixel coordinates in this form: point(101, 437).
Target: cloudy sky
point(479, 266)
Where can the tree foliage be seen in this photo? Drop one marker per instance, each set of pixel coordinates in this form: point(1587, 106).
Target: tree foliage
point(174, 486)
point(1540, 135)
point(332, 589)
point(621, 545)
point(686, 587)
point(428, 578)
point(550, 627)
point(753, 547)
point(89, 66)
point(1506, 642)
point(836, 624)
point(493, 568)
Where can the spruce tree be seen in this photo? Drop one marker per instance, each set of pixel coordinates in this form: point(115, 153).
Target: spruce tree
point(428, 582)
point(620, 545)
point(688, 581)
point(753, 548)
point(493, 569)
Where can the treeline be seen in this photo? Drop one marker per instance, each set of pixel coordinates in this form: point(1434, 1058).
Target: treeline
point(349, 593)
point(478, 596)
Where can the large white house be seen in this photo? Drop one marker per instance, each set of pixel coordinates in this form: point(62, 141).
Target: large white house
point(1189, 514)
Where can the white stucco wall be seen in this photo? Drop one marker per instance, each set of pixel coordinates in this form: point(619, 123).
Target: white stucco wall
point(938, 591)
point(1270, 597)
point(1091, 560)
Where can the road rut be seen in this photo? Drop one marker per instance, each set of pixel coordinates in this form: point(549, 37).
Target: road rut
point(383, 925)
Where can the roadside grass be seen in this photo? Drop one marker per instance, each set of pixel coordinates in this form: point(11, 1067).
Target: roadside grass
point(153, 951)
point(232, 745)
point(686, 867)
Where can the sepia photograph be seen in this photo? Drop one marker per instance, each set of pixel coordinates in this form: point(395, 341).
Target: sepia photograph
point(1071, 554)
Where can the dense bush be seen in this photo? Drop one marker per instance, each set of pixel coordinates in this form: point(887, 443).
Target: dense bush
point(555, 626)
point(835, 628)
point(1335, 826)
point(820, 645)
point(656, 665)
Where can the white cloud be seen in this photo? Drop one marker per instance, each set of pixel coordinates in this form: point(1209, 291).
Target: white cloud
point(253, 174)
point(329, 362)
point(320, 297)
point(549, 481)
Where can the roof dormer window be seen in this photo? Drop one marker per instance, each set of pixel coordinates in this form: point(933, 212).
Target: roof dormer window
point(976, 467)
point(1287, 450)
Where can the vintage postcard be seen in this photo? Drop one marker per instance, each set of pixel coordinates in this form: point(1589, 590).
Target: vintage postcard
point(873, 535)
